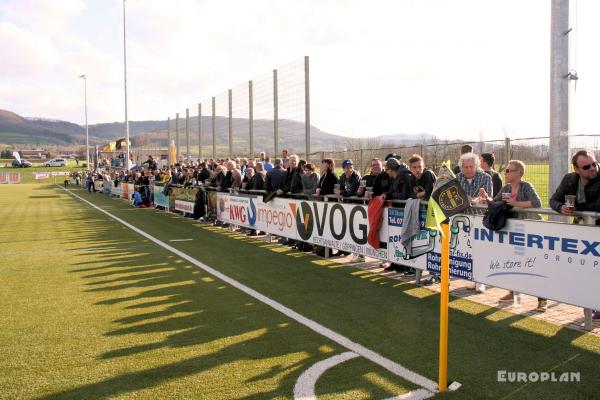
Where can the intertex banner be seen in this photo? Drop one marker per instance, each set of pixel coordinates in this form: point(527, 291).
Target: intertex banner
point(546, 259)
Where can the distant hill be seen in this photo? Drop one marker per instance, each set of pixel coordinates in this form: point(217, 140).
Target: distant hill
point(15, 129)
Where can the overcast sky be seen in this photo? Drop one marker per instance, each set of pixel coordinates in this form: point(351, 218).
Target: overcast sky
point(450, 68)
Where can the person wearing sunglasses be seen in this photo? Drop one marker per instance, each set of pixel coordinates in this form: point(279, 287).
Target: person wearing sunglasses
point(584, 183)
point(521, 194)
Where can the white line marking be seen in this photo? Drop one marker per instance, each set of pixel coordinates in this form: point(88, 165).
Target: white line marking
point(378, 359)
point(180, 240)
point(305, 385)
point(419, 394)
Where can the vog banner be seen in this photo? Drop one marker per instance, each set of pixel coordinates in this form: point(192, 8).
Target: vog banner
point(329, 224)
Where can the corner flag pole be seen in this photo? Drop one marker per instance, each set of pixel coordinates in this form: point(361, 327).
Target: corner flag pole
point(445, 277)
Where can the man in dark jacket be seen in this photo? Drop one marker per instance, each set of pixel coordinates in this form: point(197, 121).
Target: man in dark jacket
point(349, 180)
point(383, 181)
point(486, 162)
point(402, 181)
point(292, 181)
point(275, 176)
point(376, 170)
point(584, 183)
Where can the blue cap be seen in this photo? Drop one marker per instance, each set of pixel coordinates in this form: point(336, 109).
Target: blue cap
point(345, 163)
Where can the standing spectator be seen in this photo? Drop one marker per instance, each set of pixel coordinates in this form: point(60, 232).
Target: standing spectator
point(310, 180)
point(523, 195)
point(349, 180)
point(383, 181)
point(486, 160)
point(402, 181)
point(425, 178)
point(274, 177)
point(267, 164)
point(258, 182)
point(328, 178)
point(284, 156)
point(248, 179)
point(584, 183)
point(376, 168)
point(464, 149)
point(292, 182)
point(263, 156)
point(473, 180)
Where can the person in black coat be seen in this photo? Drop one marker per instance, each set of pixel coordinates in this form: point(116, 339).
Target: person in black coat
point(486, 162)
point(328, 178)
point(402, 181)
point(383, 181)
point(584, 183)
point(292, 182)
point(349, 180)
point(275, 176)
point(258, 183)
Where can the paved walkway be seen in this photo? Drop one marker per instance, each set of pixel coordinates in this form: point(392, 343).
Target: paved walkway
point(558, 313)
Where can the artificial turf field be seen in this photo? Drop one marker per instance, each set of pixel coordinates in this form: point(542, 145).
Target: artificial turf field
point(91, 309)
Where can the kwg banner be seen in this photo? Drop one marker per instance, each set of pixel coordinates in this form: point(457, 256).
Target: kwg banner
point(546, 259)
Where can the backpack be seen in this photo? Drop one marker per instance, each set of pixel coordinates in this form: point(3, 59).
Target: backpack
point(496, 215)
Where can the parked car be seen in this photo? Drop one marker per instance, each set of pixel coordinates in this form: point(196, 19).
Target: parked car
point(21, 164)
point(57, 162)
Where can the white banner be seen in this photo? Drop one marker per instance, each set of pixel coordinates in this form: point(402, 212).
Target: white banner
point(41, 175)
point(546, 259)
point(116, 190)
point(184, 206)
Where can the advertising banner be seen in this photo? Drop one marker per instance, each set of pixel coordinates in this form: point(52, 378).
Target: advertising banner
point(329, 224)
point(10, 177)
point(184, 199)
point(41, 175)
point(159, 198)
point(546, 259)
point(116, 190)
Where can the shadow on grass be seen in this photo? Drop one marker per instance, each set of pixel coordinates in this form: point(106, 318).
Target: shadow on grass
point(392, 318)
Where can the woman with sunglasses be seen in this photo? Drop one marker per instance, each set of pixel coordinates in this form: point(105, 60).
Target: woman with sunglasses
point(521, 194)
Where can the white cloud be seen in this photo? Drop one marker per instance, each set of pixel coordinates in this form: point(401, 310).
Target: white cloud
point(24, 52)
point(42, 15)
point(378, 67)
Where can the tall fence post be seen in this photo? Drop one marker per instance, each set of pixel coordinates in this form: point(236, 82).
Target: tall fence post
point(507, 150)
point(199, 131)
point(187, 134)
point(230, 124)
point(275, 115)
point(214, 128)
point(362, 162)
point(177, 137)
point(251, 118)
point(307, 104)
point(559, 88)
point(169, 161)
